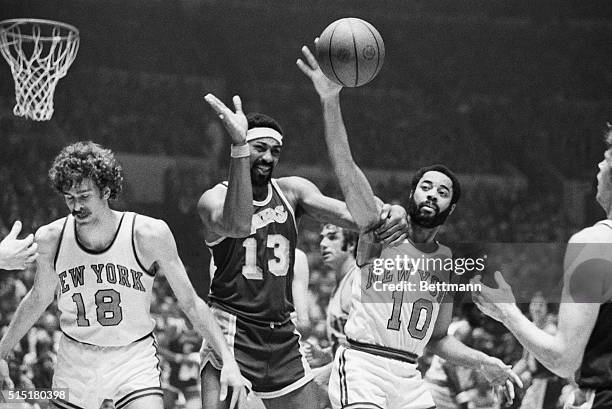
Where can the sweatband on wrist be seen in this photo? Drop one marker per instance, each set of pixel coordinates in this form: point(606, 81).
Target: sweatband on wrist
point(240, 151)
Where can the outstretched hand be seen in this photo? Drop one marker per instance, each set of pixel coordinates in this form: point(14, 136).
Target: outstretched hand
point(325, 87)
point(17, 254)
point(494, 302)
point(235, 122)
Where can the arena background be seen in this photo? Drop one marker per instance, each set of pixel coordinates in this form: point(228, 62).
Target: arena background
point(512, 95)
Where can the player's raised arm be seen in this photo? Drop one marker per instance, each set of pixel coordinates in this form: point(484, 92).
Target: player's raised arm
point(156, 246)
point(355, 187)
point(227, 211)
point(15, 254)
point(42, 293)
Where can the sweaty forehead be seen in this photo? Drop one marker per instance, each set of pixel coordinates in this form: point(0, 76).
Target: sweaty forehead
point(267, 141)
point(437, 178)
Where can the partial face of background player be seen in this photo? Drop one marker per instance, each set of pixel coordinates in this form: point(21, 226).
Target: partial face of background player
point(265, 153)
point(335, 247)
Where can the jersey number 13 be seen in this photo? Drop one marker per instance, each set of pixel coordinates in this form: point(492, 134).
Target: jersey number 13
point(278, 265)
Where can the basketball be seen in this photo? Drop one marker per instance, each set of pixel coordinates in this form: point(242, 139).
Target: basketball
point(350, 52)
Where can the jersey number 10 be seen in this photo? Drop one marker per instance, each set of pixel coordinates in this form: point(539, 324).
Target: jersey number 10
point(417, 327)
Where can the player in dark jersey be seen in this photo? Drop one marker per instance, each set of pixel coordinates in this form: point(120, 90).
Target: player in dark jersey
point(251, 229)
point(582, 345)
point(16, 254)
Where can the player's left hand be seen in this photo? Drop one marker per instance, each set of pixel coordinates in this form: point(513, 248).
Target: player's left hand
point(231, 377)
point(325, 87)
point(497, 303)
point(394, 225)
point(501, 376)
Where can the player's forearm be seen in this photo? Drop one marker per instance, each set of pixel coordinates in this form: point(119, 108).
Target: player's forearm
point(207, 326)
point(238, 205)
point(29, 310)
point(300, 303)
point(457, 353)
point(546, 348)
point(357, 191)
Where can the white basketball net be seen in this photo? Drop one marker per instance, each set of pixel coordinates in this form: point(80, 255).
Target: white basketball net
point(39, 53)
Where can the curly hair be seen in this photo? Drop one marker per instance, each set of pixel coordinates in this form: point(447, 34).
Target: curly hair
point(86, 160)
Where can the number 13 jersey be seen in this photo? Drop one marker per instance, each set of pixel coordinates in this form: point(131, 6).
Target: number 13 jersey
point(397, 318)
point(253, 275)
point(104, 297)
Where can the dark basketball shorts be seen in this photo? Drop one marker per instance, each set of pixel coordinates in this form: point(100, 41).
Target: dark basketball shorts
point(269, 355)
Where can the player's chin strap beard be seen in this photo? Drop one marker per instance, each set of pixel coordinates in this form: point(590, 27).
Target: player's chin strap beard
point(426, 222)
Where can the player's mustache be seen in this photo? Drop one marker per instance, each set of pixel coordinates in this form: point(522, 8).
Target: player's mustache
point(80, 213)
point(430, 204)
point(263, 163)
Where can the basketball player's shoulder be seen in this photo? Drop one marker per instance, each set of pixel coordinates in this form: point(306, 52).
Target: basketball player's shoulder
point(444, 250)
point(600, 232)
point(215, 193)
point(294, 184)
point(295, 187)
point(148, 229)
point(50, 234)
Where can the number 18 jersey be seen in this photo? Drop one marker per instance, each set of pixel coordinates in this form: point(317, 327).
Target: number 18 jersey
point(254, 274)
point(104, 297)
point(390, 308)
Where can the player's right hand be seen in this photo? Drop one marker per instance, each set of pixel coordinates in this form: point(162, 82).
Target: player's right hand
point(5, 380)
point(231, 377)
point(500, 374)
point(17, 254)
point(325, 87)
point(235, 122)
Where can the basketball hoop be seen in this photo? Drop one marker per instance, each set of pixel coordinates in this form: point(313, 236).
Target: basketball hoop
point(39, 53)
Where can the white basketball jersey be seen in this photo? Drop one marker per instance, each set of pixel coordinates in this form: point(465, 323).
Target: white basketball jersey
point(402, 320)
point(104, 296)
point(339, 307)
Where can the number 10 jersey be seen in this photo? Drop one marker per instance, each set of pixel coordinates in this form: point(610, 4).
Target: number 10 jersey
point(253, 275)
point(394, 305)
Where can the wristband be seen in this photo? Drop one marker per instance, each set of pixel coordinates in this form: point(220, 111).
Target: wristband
point(241, 151)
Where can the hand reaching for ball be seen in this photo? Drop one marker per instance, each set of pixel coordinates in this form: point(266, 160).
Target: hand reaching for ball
point(325, 87)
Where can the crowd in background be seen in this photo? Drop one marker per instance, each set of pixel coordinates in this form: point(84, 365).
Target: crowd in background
point(485, 214)
point(448, 97)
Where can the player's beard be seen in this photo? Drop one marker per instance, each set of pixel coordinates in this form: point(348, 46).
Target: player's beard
point(258, 179)
point(425, 220)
